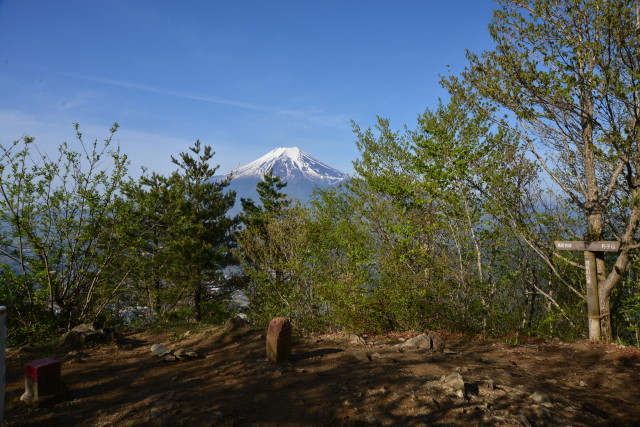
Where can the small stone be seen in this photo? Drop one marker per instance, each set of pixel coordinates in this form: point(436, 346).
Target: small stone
point(185, 354)
point(160, 350)
point(583, 384)
point(437, 343)
point(542, 398)
point(86, 327)
point(421, 341)
point(235, 322)
point(360, 356)
point(455, 381)
point(169, 357)
point(355, 339)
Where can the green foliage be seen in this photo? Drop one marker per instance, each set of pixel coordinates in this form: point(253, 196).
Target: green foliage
point(183, 236)
point(274, 251)
point(62, 225)
point(564, 76)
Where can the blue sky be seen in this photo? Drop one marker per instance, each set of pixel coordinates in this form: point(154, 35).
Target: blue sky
point(242, 76)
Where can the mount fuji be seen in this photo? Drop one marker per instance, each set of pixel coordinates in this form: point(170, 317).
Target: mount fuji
point(299, 170)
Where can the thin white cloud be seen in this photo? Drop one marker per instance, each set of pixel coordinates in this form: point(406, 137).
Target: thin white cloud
point(152, 89)
point(313, 116)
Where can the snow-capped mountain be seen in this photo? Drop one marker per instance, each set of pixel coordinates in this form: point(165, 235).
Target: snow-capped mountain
point(290, 164)
point(300, 171)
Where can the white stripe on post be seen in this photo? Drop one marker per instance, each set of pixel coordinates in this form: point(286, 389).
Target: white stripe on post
point(3, 359)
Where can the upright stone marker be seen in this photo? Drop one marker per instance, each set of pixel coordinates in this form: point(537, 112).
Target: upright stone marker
point(279, 340)
point(41, 378)
point(3, 359)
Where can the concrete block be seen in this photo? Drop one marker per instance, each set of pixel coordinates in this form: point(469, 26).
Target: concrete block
point(41, 378)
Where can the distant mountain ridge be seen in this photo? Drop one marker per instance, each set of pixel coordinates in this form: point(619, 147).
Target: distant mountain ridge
point(302, 173)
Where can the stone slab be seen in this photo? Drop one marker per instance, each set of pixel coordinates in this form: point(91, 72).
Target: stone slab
point(279, 339)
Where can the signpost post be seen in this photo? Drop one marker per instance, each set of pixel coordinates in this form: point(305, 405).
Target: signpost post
point(589, 249)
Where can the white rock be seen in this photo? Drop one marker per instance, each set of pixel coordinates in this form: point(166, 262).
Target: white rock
point(160, 350)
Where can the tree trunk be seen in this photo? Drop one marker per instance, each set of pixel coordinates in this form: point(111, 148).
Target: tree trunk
point(197, 302)
point(605, 319)
point(594, 216)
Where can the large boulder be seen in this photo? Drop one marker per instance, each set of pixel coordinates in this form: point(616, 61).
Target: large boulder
point(89, 333)
point(426, 341)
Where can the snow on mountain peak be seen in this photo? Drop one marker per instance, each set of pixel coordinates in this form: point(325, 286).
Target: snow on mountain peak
point(290, 163)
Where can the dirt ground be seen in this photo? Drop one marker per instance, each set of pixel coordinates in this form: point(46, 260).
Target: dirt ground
point(333, 380)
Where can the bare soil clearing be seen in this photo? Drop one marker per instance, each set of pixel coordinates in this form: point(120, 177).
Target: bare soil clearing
point(333, 380)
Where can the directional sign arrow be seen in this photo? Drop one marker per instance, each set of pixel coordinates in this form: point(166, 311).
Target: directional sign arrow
point(573, 245)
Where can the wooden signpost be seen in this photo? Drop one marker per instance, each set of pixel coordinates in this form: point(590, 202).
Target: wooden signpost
point(589, 249)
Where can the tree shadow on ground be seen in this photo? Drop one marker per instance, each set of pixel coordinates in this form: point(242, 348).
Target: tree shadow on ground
point(324, 383)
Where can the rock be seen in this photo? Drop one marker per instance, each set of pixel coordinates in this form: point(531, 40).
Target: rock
point(455, 381)
point(89, 333)
point(87, 327)
point(422, 341)
point(279, 340)
point(490, 384)
point(583, 384)
point(235, 322)
point(432, 403)
point(169, 357)
point(71, 339)
point(542, 398)
point(355, 339)
point(437, 343)
point(185, 354)
point(524, 420)
point(160, 350)
point(360, 356)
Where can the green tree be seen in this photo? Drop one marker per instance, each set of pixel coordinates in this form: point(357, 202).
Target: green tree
point(184, 234)
point(566, 74)
point(63, 221)
point(205, 231)
point(274, 252)
point(272, 201)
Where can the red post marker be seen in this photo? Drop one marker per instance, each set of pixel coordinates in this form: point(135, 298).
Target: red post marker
point(41, 378)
